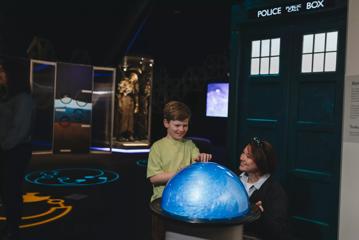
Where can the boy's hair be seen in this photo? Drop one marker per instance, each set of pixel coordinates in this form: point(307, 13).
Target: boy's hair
point(175, 110)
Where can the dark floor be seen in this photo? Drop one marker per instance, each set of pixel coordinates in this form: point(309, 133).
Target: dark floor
point(115, 210)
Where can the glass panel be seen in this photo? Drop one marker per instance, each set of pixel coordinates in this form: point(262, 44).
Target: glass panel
point(318, 62)
point(275, 47)
point(255, 66)
point(330, 61)
point(274, 65)
point(264, 66)
point(255, 48)
point(43, 81)
point(307, 63)
point(308, 43)
point(73, 108)
point(102, 102)
point(265, 48)
point(319, 42)
point(332, 41)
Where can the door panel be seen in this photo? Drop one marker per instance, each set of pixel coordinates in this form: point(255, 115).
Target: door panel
point(300, 113)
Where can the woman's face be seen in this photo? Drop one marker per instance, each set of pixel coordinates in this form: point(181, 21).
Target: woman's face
point(3, 78)
point(247, 163)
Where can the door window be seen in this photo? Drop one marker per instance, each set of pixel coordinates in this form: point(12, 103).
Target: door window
point(320, 52)
point(265, 56)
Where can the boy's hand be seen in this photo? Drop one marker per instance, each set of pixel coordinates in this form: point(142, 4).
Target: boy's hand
point(203, 157)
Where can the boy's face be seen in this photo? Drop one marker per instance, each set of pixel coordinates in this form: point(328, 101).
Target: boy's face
point(176, 129)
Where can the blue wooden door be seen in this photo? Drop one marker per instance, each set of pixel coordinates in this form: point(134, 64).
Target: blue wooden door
point(289, 91)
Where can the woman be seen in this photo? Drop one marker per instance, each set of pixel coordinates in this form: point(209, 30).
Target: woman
point(15, 140)
point(257, 163)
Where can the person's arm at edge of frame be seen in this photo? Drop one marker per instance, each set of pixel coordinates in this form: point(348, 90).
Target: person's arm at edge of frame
point(22, 121)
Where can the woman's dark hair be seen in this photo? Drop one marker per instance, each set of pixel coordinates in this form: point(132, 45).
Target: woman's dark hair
point(263, 155)
point(17, 73)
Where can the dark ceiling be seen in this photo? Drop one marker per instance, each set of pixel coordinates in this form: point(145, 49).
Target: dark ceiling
point(101, 32)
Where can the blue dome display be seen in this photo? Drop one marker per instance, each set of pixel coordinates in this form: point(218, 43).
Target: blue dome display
point(205, 192)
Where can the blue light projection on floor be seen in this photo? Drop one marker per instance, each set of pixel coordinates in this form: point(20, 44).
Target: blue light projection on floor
point(142, 163)
point(72, 177)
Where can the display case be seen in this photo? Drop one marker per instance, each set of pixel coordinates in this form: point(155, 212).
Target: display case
point(133, 102)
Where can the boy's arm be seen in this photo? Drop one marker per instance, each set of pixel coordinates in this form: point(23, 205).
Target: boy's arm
point(161, 178)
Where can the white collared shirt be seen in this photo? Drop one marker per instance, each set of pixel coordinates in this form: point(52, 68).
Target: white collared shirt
point(251, 187)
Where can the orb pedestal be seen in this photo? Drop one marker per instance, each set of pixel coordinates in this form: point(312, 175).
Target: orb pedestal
point(203, 201)
point(186, 229)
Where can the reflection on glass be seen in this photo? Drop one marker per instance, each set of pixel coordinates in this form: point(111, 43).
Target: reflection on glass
point(43, 79)
point(255, 66)
point(318, 62)
point(308, 43)
point(330, 61)
point(307, 63)
point(265, 48)
point(274, 65)
point(332, 40)
point(319, 42)
point(275, 47)
point(264, 66)
point(255, 48)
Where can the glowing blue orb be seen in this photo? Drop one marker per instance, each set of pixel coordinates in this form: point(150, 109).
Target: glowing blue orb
point(205, 192)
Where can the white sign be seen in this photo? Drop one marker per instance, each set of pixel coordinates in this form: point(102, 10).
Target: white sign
point(351, 109)
point(293, 8)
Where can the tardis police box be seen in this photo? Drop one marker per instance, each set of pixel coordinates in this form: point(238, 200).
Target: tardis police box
point(287, 77)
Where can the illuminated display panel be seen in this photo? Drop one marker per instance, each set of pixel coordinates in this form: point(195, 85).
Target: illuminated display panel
point(217, 100)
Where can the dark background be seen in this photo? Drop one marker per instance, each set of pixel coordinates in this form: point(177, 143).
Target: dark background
point(188, 40)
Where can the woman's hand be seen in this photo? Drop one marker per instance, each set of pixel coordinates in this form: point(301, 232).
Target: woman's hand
point(203, 157)
point(260, 206)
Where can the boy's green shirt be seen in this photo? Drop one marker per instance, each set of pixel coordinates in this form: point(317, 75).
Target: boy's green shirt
point(169, 155)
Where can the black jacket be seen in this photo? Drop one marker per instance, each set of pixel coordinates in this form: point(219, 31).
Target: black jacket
point(273, 223)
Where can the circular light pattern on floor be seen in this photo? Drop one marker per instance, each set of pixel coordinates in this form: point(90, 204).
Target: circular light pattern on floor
point(142, 163)
point(72, 177)
point(40, 209)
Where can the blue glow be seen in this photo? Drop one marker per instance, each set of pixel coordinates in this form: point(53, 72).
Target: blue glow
point(206, 192)
point(72, 177)
point(142, 162)
point(145, 150)
point(103, 74)
point(122, 150)
point(104, 149)
point(40, 66)
point(132, 41)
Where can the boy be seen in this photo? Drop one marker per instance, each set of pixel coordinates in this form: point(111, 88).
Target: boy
point(173, 152)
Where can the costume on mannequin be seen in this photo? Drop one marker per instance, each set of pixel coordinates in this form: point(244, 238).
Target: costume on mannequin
point(128, 105)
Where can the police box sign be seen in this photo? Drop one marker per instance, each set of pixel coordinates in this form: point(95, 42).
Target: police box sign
point(292, 8)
